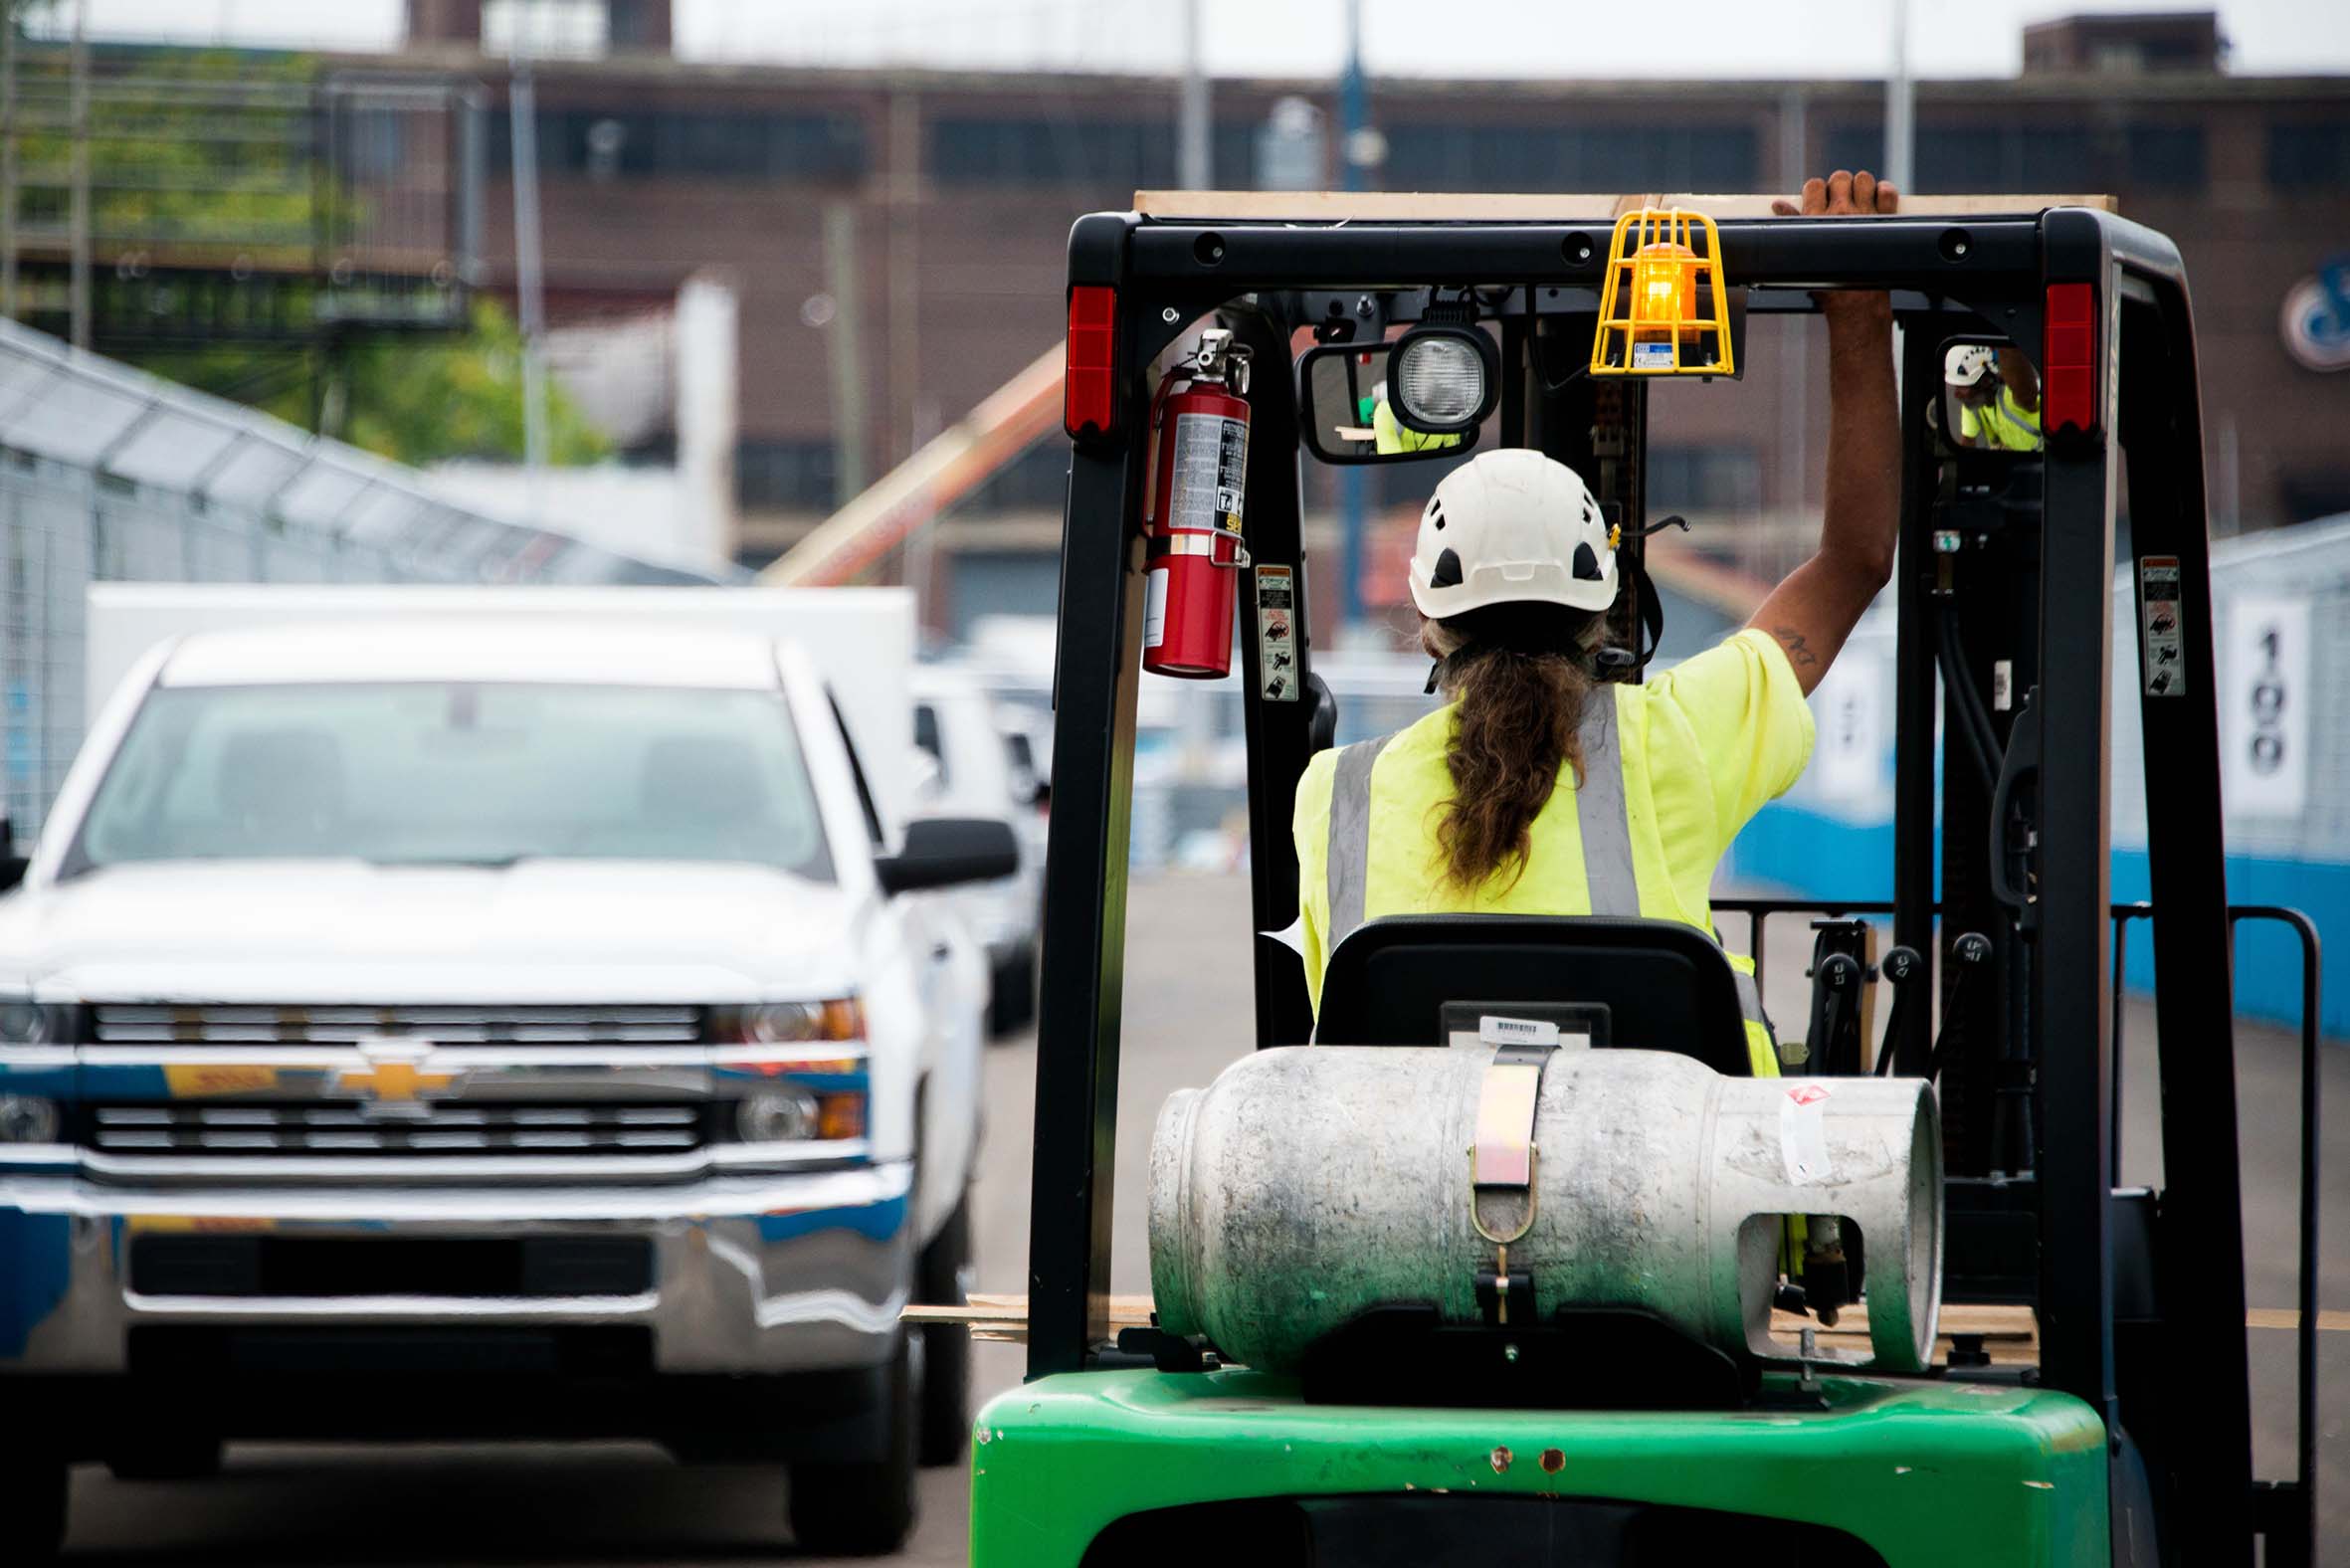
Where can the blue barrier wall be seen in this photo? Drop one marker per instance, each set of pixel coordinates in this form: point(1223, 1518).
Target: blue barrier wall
point(1819, 855)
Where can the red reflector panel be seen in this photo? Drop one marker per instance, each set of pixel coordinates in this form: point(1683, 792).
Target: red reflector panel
point(2069, 359)
point(1089, 387)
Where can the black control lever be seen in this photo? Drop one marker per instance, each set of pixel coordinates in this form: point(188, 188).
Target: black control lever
point(1971, 955)
point(1905, 970)
point(2013, 815)
point(1835, 993)
point(1841, 973)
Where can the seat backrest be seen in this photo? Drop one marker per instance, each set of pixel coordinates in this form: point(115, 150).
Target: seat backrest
point(1667, 986)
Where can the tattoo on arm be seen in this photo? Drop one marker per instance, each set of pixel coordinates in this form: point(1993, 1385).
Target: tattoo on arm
point(1799, 654)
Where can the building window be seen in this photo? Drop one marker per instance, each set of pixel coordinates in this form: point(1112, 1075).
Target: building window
point(692, 144)
point(2310, 153)
point(1035, 480)
point(2166, 158)
point(1570, 158)
point(785, 475)
point(2002, 158)
point(1124, 156)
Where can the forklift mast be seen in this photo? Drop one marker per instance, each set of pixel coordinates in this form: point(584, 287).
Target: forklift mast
point(2004, 598)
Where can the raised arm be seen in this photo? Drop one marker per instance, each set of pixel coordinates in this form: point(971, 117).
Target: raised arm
point(1816, 608)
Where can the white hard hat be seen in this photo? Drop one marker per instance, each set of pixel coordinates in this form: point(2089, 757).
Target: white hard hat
point(1967, 366)
point(1512, 527)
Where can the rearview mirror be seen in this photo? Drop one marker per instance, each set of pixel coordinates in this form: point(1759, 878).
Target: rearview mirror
point(948, 852)
point(1343, 406)
point(1990, 398)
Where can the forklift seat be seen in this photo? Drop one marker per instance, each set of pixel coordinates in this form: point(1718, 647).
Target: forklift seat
point(1667, 986)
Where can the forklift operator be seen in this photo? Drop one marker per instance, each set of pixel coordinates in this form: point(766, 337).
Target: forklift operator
point(1542, 787)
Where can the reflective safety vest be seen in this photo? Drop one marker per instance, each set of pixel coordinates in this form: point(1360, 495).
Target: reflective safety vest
point(2002, 422)
point(1671, 770)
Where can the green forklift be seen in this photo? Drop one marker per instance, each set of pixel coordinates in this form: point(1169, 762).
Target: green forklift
point(2052, 1368)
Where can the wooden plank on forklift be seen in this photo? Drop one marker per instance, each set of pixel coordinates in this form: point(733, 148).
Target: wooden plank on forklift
point(2010, 1332)
point(1478, 207)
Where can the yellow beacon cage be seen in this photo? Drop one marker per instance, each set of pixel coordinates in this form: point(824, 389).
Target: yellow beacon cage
point(1662, 309)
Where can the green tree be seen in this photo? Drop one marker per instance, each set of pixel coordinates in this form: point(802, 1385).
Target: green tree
point(205, 158)
point(411, 399)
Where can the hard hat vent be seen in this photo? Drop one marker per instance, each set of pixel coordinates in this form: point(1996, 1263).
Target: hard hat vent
point(1586, 564)
point(1448, 571)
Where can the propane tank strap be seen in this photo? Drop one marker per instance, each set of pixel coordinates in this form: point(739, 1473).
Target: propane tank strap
point(1501, 1158)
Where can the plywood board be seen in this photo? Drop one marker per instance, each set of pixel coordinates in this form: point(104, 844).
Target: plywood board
point(1443, 207)
point(2011, 1333)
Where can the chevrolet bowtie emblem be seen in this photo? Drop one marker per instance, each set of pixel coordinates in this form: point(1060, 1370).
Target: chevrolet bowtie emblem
point(394, 1078)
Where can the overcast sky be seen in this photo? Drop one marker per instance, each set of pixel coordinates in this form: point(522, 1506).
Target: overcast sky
point(1487, 37)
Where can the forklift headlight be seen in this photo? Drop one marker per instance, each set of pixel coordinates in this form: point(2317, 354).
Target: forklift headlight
point(1444, 378)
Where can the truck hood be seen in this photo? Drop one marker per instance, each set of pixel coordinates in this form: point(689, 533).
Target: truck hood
point(347, 930)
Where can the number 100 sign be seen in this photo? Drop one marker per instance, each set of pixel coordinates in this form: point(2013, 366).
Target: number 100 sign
point(2264, 719)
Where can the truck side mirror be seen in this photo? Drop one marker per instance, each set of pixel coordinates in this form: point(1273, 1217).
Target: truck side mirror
point(12, 865)
point(946, 852)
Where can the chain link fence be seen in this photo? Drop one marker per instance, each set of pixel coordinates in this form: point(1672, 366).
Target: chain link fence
point(111, 474)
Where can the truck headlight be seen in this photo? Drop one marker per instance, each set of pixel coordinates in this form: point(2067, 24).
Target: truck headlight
point(790, 1023)
point(791, 1115)
point(25, 1022)
point(27, 1119)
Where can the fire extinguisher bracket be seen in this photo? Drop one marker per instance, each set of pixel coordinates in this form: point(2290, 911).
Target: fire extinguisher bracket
point(1221, 550)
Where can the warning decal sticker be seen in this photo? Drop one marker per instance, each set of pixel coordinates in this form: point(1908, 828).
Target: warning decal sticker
point(1277, 633)
point(1211, 467)
point(1154, 608)
point(2161, 644)
point(1802, 1135)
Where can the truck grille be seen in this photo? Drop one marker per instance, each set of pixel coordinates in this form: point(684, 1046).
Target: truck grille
point(126, 1023)
point(250, 1129)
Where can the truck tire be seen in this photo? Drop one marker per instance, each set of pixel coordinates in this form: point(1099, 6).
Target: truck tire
point(864, 1509)
point(945, 1399)
point(33, 1506)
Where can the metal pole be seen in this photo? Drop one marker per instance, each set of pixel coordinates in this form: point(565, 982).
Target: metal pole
point(846, 350)
point(8, 15)
point(1354, 120)
point(1900, 104)
point(1192, 161)
point(1795, 332)
point(80, 218)
point(529, 283)
point(904, 434)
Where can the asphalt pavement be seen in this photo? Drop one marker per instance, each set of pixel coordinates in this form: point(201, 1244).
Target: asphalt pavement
point(1186, 1013)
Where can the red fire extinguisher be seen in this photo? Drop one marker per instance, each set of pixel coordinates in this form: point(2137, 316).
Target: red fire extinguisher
point(1200, 419)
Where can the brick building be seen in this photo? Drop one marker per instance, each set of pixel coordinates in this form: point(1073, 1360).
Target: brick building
point(949, 195)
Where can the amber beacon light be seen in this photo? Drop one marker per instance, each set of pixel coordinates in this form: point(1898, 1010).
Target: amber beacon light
point(1663, 309)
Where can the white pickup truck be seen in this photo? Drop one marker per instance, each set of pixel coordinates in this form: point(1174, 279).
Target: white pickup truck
point(519, 1012)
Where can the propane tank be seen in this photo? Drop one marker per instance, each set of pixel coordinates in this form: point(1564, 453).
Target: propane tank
point(1200, 418)
point(1309, 1184)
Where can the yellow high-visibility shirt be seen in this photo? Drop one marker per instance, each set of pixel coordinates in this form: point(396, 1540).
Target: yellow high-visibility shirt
point(2002, 422)
point(1703, 746)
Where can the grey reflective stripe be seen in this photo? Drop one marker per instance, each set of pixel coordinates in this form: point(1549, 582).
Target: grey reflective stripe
point(1349, 851)
point(1749, 998)
point(1600, 813)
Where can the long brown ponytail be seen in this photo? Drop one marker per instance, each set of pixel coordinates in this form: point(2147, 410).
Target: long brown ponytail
point(1521, 673)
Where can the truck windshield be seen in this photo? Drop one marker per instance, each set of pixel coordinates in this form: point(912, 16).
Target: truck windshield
point(433, 773)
